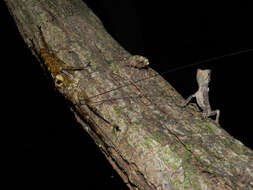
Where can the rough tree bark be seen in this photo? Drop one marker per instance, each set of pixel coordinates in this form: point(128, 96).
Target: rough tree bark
point(151, 141)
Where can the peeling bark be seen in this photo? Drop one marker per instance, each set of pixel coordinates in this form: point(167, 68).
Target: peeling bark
point(151, 141)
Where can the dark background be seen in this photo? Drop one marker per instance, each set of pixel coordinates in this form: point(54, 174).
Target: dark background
point(44, 138)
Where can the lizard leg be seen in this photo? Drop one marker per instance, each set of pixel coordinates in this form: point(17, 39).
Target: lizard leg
point(67, 73)
point(189, 99)
point(215, 112)
point(66, 70)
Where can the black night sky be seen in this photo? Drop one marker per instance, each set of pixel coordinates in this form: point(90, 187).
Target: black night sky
point(44, 137)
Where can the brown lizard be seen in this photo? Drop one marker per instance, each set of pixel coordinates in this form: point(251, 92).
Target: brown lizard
point(62, 77)
point(56, 66)
point(203, 79)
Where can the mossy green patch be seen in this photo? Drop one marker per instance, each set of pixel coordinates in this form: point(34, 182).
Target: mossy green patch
point(147, 142)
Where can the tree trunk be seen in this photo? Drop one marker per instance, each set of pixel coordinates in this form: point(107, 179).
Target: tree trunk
point(150, 140)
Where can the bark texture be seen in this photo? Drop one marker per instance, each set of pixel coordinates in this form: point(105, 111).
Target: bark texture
point(151, 141)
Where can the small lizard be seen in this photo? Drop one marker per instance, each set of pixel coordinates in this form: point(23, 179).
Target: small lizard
point(57, 67)
point(203, 79)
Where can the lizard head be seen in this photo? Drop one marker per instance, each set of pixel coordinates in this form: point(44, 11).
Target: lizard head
point(203, 76)
point(59, 81)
